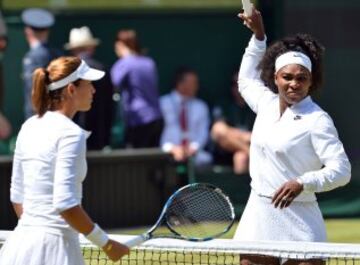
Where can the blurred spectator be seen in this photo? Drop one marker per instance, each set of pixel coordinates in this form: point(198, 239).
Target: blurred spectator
point(3, 45)
point(37, 29)
point(135, 75)
point(5, 127)
point(99, 119)
point(187, 120)
point(233, 121)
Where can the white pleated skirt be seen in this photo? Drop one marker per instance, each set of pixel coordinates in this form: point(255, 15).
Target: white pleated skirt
point(39, 246)
point(301, 221)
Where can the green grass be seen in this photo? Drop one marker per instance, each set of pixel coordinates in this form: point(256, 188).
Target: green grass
point(343, 230)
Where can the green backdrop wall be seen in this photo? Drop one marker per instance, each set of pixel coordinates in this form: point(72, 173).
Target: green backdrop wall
point(335, 24)
point(210, 42)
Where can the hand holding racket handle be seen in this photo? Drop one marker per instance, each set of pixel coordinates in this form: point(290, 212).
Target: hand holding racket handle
point(254, 22)
point(115, 250)
point(136, 241)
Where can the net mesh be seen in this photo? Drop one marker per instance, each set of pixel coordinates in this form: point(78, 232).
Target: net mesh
point(218, 251)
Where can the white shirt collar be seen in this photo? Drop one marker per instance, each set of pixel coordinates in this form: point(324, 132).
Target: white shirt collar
point(302, 105)
point(178, 97)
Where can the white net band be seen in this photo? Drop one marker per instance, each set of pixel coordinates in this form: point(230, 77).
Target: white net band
point(219, 251)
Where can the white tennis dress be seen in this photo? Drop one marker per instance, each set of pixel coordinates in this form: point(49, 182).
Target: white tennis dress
point(48, 170)
point(302, 143)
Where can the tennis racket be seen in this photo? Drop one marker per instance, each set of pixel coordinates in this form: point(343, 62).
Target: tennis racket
point(195, 212)
point(248, 7)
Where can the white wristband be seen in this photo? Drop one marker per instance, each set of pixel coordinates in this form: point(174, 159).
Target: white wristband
point(98, 237)
point(299, 181)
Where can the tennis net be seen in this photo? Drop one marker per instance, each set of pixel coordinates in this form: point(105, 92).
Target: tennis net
point(218, 251)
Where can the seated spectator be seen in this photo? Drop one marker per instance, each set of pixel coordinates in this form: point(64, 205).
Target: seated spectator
point(231, 131)
point(187, 120)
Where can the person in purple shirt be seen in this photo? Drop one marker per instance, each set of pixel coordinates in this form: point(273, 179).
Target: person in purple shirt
point(135, 75)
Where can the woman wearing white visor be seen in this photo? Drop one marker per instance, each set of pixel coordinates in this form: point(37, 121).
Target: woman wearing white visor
point(295, 150)
point(48, 170)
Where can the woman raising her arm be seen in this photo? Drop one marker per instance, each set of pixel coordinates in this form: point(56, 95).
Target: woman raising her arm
point(295, 150)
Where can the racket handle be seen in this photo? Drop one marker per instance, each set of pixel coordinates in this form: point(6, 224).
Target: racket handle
point(135, 241)
point(248, 7)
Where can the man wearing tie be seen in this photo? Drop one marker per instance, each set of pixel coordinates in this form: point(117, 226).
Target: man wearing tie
point(37, 23)
point(187, 120)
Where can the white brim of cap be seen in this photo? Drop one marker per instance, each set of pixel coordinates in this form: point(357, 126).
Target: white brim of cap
point(92, 74)
point(83, 72)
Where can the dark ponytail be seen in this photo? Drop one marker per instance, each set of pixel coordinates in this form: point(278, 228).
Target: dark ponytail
point(40, 95)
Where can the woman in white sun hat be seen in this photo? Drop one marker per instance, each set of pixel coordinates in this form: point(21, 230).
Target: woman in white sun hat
point(99, 120)
point(48, 170)
point(81, 37)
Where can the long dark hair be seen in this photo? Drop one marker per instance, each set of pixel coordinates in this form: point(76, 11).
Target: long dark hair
point(302, 43)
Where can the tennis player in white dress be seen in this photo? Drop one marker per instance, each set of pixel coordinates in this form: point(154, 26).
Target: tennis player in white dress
point(48, 170)
point(295, 150)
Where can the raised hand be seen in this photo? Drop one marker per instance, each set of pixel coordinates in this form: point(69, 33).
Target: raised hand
point(255, 23)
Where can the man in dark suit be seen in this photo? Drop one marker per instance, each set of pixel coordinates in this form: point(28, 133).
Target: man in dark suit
point(37, 29)
point(99, 119)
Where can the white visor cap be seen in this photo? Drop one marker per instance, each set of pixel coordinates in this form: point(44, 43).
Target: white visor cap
point(83, 72)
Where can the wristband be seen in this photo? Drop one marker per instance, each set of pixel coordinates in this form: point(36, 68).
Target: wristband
point(298, 180)
point(97, 236)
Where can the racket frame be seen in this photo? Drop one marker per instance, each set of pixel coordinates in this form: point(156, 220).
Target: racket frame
point(163, 216)
point(163, 220)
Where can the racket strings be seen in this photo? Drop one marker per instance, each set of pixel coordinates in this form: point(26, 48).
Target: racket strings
point(200, 212)
point(210, 198)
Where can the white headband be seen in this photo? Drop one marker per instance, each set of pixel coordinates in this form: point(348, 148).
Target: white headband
point(293, 57)
point(83, 72)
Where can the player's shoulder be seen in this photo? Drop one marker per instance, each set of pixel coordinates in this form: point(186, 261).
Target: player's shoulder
point(316, 115)
point(29, 122)
point(62, 124)
point(313, 109)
